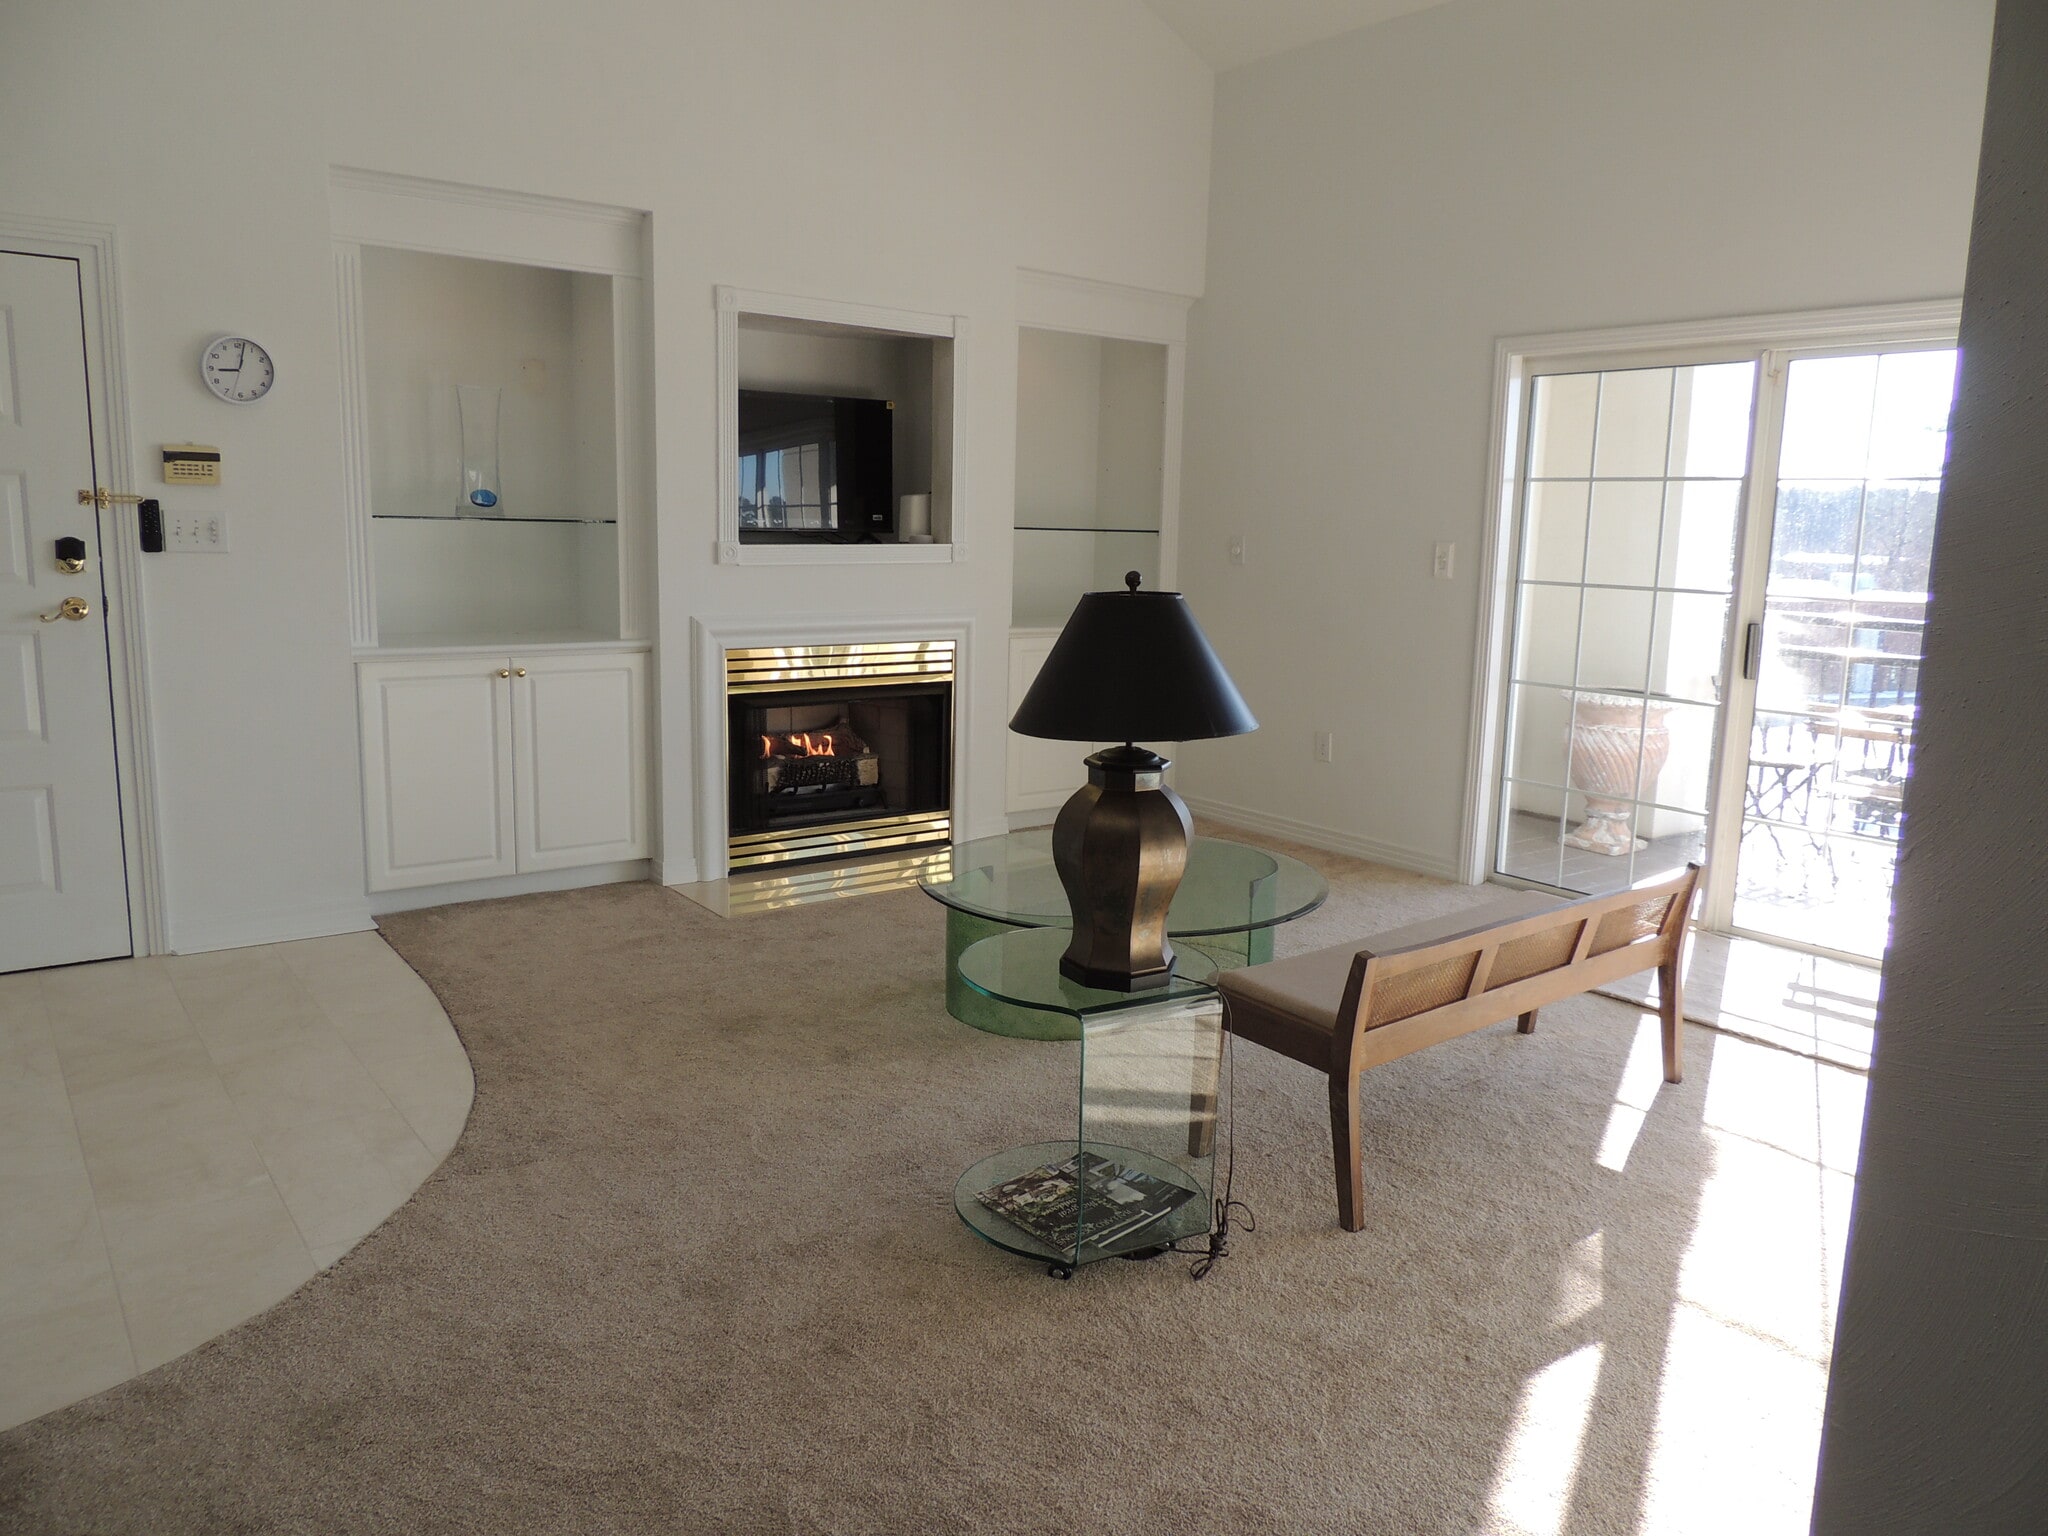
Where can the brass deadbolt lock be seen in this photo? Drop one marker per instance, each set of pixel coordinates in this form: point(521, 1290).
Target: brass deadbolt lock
point(71, 556)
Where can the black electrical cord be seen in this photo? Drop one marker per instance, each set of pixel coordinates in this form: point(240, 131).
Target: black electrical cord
point(1216, 1247)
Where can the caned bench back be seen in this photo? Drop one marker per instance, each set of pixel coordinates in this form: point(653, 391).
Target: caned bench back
point(1499, 972)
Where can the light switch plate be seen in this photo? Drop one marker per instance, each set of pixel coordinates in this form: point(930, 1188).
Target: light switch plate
point(1445, 554)
point(195, 532)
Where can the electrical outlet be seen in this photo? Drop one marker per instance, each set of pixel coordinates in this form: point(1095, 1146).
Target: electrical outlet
point(1326, 746)
point(1444, 556)
point(1237, 550)
point(196, 532)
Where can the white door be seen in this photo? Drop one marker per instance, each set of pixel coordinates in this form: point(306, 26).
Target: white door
point(63, 880)
point(437, 770)
point(580, 759)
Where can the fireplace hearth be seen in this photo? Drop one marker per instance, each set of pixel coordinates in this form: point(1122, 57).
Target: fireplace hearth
point(837, 750)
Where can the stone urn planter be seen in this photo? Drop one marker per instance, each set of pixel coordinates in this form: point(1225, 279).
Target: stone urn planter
point(1618, 746)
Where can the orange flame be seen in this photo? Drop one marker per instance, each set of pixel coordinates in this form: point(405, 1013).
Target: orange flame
point(801, 744)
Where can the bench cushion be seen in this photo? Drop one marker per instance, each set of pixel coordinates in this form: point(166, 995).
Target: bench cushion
point(1291, 1005)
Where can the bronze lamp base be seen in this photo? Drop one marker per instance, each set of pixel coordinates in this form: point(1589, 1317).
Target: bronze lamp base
point(1121, 846)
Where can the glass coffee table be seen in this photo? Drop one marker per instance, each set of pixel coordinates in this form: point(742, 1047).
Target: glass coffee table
point(1134, 1172)
point(1230, 901)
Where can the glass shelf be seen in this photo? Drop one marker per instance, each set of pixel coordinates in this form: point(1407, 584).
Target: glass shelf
point(1022, 967)
point(486, 517)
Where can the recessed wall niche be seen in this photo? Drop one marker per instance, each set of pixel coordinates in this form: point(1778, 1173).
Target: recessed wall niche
point(491, 424)
point(808, 391)
point(1091, 462)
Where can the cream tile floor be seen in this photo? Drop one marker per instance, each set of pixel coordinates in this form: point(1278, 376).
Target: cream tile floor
point(185, 1140)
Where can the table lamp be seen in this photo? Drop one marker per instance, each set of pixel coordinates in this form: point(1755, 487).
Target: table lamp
point(1128, 664)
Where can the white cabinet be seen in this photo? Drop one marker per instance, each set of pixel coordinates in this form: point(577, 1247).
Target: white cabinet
point(579, 759)
point(1042, 774)
point(476, 766)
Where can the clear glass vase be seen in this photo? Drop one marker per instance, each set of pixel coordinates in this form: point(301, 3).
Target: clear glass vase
point(477, 405)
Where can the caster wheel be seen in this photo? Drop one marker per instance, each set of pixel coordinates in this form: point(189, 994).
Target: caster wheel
point(1059, 1271)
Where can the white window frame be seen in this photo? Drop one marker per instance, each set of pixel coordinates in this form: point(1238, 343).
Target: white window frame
point(1517, 360)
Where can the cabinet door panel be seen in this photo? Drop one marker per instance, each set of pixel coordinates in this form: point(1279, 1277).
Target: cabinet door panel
point(437, 781)
point(580, 769)
point(1042, 774)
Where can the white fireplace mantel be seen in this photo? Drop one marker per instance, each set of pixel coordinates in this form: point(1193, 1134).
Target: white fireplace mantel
point(710, 639)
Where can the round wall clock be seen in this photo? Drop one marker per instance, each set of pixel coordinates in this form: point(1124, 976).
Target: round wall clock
point(237, 369)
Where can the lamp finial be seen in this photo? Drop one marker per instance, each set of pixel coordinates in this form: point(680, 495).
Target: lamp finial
point(1131, 580)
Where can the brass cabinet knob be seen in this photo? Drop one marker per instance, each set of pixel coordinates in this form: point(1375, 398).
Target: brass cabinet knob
point(504, 671)
point(519, 671)
point(70, 608)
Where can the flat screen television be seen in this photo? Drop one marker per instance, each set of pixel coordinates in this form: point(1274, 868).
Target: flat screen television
point(816, 468)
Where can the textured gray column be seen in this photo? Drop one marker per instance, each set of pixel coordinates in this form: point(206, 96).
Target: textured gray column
point(1937, 1414)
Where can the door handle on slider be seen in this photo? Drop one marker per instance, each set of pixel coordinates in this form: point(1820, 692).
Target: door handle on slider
point(70, 608)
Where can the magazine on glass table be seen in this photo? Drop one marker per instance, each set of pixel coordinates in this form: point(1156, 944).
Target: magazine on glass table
point(1122, 1201)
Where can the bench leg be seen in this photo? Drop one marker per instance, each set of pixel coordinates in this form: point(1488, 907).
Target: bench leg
point(1526, 1024)
point(1348, 1155)
point(1671, 1008)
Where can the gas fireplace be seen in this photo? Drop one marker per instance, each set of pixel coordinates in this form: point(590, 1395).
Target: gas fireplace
point(836, 750)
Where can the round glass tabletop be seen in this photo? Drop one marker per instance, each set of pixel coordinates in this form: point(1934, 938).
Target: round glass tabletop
point(1228, 888)
point(1022, 967)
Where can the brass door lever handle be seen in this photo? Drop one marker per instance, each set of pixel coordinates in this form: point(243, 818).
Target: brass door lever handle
point(70, 608)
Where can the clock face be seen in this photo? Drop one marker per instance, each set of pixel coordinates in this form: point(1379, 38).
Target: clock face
point(237, 369)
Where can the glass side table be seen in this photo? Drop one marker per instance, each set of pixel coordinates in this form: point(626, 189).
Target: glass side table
point(1231, 899)
point(1136, 1174)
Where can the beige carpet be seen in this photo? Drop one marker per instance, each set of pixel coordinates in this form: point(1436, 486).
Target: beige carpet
point(1783, 997)
point(693, 1267)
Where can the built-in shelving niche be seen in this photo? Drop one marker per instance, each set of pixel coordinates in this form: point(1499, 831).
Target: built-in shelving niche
point(1091, 458)
point(824, 347)
point(544, 561)
point(545, 307)
point(1099, 382)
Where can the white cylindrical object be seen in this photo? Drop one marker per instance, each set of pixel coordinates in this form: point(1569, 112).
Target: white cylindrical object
point(914, 518)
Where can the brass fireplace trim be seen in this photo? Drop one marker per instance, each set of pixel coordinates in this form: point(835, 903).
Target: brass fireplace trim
point(873, 664)
point(782, 668)
point(756, 850)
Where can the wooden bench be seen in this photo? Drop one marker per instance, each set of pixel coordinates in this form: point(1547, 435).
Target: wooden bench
point(1353, 1006)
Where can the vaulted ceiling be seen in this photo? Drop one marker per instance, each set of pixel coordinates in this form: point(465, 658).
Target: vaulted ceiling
point(1232, 32)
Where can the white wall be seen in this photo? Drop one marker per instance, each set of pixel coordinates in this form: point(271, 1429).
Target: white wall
point(1940, 1379)
point(1388, 204)
point(930, 148)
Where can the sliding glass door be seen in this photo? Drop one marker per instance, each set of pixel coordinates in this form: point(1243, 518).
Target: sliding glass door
point(1831, 645)
point(1708, 661)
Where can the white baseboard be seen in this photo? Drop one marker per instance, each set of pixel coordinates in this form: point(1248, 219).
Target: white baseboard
point(511, 885)
point(1314, 836)
point(239, 930)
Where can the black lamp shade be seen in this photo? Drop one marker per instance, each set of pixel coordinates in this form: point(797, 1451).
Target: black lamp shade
point(1132, 666)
